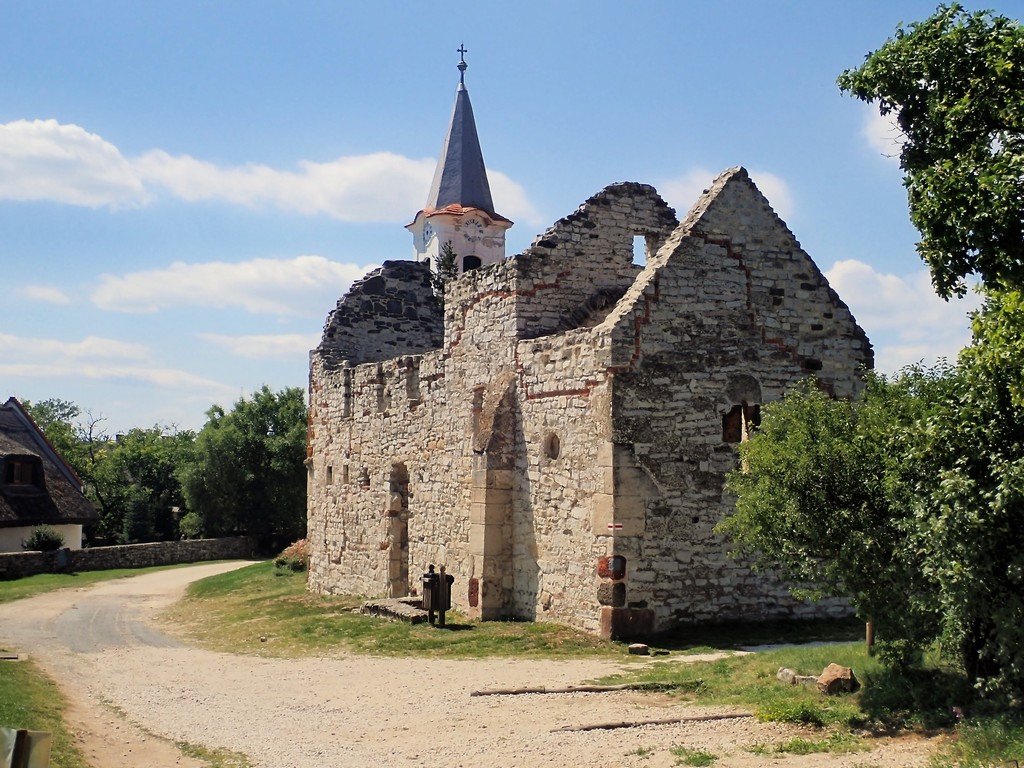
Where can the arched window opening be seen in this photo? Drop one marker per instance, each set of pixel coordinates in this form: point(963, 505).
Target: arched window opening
point(469, 263)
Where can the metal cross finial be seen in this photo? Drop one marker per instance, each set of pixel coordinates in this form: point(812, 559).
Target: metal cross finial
point(462, 51)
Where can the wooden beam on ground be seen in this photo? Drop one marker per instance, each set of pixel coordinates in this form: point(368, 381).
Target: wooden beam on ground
point(582, 689)
point(639, 723)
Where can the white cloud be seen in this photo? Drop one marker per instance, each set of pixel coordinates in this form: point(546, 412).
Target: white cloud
point(883, 133)
point(271, 286)
point(45, 160)
point(89, 348)
point(265, 346)
point(169, 378)
point(902, 315)
point(46, 293)
point(682, 191)
point(95, 358)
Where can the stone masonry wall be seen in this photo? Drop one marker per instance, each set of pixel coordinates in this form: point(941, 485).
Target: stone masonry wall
point(390, 312)
point(588, 256)
point(730, 314)
point(15, 565)
point(563, 453)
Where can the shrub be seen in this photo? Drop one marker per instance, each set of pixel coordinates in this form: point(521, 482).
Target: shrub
point(43, 539)
point(295, 556)
point(191, 526)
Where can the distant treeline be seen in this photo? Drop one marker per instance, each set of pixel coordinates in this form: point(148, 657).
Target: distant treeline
point(242, 473)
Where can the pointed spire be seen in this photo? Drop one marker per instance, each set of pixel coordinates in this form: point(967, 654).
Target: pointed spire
point(461, 177)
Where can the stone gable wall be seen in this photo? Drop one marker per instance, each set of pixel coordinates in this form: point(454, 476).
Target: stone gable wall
point(588, 255)
point(718, 320)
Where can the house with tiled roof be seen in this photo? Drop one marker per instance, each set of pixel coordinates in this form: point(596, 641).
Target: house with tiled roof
point(37, 486)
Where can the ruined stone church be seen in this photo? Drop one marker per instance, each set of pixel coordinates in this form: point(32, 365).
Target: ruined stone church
point(557, 430)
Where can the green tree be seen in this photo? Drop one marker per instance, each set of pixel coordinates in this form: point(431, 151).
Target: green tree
point(955, 83)
point(138, 479)
point(967, 461)
point(247, 473)
point(445, 270)
point(822, 499)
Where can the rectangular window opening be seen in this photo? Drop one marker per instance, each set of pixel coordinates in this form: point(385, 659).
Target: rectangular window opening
point(640, 250)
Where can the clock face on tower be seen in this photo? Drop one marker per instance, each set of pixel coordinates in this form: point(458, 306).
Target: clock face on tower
point(474, 229)
point(428, 234)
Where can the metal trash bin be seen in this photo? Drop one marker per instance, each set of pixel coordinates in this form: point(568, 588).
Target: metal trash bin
point(437, 594)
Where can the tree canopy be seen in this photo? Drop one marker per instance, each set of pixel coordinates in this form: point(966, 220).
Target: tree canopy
point(248, 474)
point(910, 499)
point(955, 83)
point(242, 474)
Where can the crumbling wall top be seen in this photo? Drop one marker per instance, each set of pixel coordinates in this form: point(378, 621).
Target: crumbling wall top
point(392, 311)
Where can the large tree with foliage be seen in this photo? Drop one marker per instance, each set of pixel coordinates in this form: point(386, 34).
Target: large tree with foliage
point(955, 83)
point(824, 498)
point(247, 473)
point(138, 481)
point(967, 460)
point(131, 479)
point(911, 500)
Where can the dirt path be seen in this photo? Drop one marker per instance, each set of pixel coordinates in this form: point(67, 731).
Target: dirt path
point(356, 710)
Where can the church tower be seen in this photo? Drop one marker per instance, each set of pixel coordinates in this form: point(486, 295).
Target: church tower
point(459, 209)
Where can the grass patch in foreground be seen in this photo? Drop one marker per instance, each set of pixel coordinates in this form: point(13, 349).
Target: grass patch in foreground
point(29, 699)
point(29, 586)
point(983, 743)
point(921, 698)
point(214, 758)
point(749, 681)
point(838, 743)
point(232, 611)
point(696, 757)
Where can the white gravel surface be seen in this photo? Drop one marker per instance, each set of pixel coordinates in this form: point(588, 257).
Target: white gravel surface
point(363, 711)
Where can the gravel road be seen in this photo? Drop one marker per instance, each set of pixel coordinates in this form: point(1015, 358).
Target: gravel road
point(100, 644)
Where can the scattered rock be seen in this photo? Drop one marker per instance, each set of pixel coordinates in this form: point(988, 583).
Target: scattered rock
point(836, 678)
point(808, 680)
point(263, 638)
point(639, 649)
point(786, 675)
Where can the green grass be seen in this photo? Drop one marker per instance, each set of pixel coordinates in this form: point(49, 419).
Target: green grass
point(839, 743)
point(749, 682)
point(983, 743)
point(29, 699)
point(30, 586)
point(214, 758)
point(232, 611)
point(887, 701)
point(696, 757)
point(644, 752)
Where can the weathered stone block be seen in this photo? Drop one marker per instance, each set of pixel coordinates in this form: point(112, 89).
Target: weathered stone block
point(626, 623)
point(612, 593)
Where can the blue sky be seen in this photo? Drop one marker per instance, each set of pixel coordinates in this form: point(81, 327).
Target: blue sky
point(186, 189)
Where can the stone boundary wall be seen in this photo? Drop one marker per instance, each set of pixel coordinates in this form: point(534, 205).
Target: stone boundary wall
point(15, 565)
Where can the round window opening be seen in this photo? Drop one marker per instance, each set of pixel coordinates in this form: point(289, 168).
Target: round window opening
point(552, 446)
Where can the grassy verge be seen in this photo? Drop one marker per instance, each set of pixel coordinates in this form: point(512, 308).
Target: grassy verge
point(233, 611)
point(30, 586)
point(29, 699)
point(214, 758)
point(983, 743)
point(749, 682)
